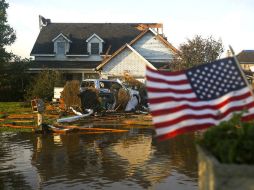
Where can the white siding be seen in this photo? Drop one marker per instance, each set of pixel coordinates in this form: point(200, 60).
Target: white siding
point(126, 61)
point(153, 49)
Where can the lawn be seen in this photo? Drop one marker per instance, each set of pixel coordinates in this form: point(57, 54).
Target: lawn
point(14, 107)
point(8, 109)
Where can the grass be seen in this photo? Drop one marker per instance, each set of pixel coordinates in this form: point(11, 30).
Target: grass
point(7, 108)
point(14, 108)
point(8, 129)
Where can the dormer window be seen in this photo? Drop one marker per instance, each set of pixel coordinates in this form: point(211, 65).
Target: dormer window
point(60, 48)
point(95, 48)
point(94, 45)
point(61, 44)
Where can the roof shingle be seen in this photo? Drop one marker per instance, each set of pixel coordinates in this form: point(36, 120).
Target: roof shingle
point(113, 34)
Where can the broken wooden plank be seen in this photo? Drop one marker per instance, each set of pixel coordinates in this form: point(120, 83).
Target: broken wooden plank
point(21, 121)
point(18, 126)
point(21, 116)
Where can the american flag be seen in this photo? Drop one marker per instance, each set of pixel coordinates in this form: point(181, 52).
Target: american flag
point(197, 98)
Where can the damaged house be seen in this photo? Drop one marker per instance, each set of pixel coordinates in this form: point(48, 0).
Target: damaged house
point(100, 50)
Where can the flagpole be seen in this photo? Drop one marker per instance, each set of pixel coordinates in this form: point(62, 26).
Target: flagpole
point(241, 71)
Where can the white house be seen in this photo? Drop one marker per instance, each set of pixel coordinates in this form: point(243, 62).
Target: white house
point(94, 50)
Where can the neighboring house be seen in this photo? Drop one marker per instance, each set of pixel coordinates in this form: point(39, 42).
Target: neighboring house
point(93, 50)
point(246, 60)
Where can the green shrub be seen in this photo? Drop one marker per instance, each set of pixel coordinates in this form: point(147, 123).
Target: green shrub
point(42, 86)
point(231, 141)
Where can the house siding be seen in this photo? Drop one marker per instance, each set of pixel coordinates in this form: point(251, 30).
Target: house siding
point(125, 62)
point(153, 49)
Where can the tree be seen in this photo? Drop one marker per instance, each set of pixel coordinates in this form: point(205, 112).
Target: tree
point(196, 51)
point(14, 79)
point(7, 34)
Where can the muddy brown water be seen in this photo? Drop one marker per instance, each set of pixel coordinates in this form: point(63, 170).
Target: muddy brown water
point(132, 160)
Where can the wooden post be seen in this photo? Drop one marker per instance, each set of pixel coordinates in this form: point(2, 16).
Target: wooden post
point(38, 107)
point(39, 121)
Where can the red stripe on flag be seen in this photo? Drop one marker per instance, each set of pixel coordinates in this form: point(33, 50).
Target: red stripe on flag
point(248, 117)
point(185, 91)
point(165, 73)
point(152, 79)
point(169, 99)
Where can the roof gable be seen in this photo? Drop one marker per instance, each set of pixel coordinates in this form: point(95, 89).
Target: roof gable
point(159, 37)
point(61, 35)
point(96, 36)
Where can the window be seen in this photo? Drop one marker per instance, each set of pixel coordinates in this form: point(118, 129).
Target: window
point(61, 48)
point(94, 48)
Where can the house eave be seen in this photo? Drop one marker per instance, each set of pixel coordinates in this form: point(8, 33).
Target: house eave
point(43, 55)
point(78, 55)
point(61, 69)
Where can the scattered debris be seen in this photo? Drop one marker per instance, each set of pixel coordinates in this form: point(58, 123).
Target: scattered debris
point(75, 118)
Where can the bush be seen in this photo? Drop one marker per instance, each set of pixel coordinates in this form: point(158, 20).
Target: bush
point(231, 141)
point(122, 99)
point(70, 94)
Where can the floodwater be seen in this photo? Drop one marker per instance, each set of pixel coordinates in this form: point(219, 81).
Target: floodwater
point(132, 160)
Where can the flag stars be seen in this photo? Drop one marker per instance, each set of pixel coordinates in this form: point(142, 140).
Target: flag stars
point(214, 80)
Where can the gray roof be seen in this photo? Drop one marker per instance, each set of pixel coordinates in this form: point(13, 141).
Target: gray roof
point(113, 34)
point(246, 56)
point(64, 64)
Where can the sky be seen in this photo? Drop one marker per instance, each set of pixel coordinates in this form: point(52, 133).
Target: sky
point(228, 20)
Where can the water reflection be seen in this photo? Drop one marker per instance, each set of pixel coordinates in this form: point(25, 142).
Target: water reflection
point(109, 161)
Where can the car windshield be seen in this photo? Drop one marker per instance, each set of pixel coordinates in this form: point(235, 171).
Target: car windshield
point(87, 84)
point(110, 85)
